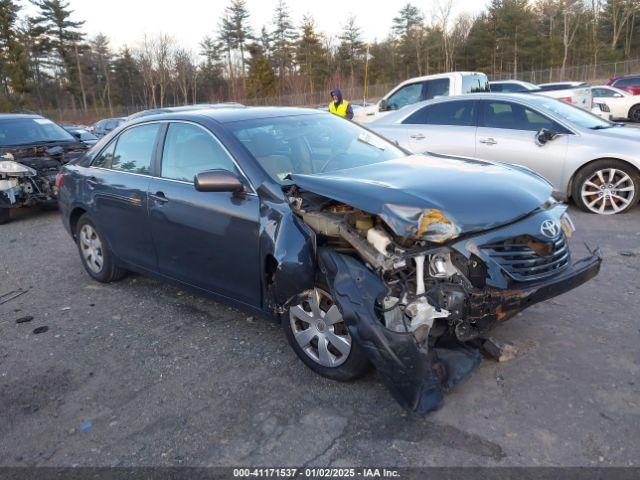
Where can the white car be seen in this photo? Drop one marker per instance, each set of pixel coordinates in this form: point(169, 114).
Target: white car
point(622, 104)
point(424, 88)
point(570, 92)
point(592, 161)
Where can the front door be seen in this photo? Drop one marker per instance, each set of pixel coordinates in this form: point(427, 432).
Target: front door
point(118, 184)
point(206, 239)
point(507, 133)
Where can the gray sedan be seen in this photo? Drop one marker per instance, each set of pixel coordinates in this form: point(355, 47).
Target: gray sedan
point(592, 161)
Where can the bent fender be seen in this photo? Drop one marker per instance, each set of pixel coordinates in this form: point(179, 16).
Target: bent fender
point(416, 376)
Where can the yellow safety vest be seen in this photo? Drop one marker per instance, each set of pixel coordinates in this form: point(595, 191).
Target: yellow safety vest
point(341, 110)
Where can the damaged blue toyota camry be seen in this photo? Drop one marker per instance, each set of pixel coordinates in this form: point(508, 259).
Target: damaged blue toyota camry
point(367, 255)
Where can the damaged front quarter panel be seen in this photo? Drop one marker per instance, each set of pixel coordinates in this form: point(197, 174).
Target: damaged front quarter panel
point(288, 253)
point(415, 375)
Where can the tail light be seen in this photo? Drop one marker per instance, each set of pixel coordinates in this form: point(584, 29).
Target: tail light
point(59, 178)
point(566, 99)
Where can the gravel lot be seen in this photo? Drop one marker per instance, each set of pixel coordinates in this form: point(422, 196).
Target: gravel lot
point(141, 373)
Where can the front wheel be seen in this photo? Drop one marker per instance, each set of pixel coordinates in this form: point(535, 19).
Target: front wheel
point(318, 334)
point(634, 113)
point(606, 187)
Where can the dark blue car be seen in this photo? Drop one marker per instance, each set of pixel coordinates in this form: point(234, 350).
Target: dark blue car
point(366, 254)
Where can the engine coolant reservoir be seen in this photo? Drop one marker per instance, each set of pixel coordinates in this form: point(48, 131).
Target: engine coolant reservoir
point(379, 239)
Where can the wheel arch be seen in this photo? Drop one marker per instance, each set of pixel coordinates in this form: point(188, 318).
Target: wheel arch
point(636, 105)
point(75, 215)
point(590, 162)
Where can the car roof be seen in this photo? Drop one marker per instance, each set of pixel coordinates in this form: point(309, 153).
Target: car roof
point(228, 115)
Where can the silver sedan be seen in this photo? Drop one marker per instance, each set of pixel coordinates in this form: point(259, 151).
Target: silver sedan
point(590, 160)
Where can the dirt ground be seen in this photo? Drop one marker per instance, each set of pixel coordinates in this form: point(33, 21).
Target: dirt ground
point(141, 373)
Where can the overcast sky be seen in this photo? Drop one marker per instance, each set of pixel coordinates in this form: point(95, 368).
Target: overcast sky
point(126, 21)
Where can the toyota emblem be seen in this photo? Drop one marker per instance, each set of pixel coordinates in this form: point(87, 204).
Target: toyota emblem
point(549, 228)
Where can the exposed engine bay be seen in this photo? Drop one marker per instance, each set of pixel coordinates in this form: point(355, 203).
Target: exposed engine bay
point(28, 173)
point(419, 307)
point(426, 293)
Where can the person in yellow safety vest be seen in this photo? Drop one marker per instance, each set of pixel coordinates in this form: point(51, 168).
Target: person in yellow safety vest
point(340, 106)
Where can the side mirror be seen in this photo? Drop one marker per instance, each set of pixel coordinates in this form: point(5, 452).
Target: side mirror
point(77, 135)
point(218, 181)
point(544, 135)
point(384, 105)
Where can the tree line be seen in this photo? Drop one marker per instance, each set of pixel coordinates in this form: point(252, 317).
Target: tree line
point(48, 61)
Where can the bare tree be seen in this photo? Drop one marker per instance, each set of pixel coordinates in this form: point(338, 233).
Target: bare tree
point(443, 10)
point(572, 15)
point(184, 73)
point(621, 13)
point(163, 61)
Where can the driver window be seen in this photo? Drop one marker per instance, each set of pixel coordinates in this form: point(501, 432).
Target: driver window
point(189, 150)
point(512, 116)
point(405, 96)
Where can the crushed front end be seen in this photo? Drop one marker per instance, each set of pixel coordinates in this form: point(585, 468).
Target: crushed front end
point(28, 173)
point(417, 292)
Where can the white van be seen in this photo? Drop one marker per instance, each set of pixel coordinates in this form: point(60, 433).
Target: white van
point(424, 88)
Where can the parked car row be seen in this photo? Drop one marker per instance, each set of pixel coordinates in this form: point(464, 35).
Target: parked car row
point(590, 160)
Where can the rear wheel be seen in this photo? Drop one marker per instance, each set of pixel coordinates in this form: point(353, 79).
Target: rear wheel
point(634, 113)
point(318, 334)
point(5, 215)
point(606, 187)
point(94, 252)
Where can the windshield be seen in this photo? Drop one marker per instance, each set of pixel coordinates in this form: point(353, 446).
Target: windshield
point(573, 115)
point(22, 131)
point(310, 144)
point(475, 83)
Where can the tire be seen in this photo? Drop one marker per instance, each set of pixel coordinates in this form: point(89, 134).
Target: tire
point(606, 187)
point(634, 113)
point(345, 368)
point(5, 215)
point(91, 247)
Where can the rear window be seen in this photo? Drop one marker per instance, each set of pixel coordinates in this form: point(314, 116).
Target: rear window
point(475, 83)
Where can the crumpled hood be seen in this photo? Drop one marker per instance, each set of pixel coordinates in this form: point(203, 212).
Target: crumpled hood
point(475, 195)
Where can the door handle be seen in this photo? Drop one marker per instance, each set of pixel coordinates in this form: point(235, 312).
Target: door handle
point(92, 182)
point(418, 136)
point(488, 141)
point(159, 197)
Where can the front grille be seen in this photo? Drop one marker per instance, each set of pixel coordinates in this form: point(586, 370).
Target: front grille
point(527, 259)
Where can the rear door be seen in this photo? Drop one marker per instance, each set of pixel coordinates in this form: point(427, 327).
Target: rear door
point(507, 132)
point(447, 127)
point(118, 183)
point(205, 239)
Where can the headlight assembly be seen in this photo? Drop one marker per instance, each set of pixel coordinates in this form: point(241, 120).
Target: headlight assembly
point(567, 225)
point(435, 227)
point(9, 167)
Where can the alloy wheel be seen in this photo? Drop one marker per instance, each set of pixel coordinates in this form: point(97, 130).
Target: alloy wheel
point(91, 248)
point(319, 329)
point(634, 115)
point(608, 191)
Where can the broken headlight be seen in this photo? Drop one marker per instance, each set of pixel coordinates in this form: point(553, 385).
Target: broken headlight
point(567, 225)
point(11, 167)
point(435, 227)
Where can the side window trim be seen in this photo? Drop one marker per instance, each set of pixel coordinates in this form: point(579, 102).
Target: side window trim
point(484, 105)
point(114, 141)
point(161, 146)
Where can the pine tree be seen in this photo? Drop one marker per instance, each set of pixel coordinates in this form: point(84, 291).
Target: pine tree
point(62, 37)
point(283, 38)
point(351, 47)
point(14, 64)
point(262, 80)
point(310, 55)
point(240, 30)
point(408, 27)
